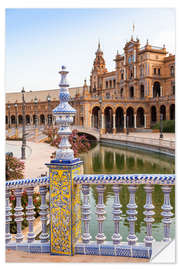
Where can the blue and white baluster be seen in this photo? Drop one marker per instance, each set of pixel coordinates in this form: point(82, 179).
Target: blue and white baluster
point(30, 214)
point(86, 237)
point(100, 237)
point(148, 213)
point(8, 216)
point(18, 215)
point(166, 213)
point(43, 213)
point(116, 215)
point(132, 238)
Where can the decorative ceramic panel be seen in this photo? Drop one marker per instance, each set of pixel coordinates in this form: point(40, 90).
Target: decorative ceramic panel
point(60, 207)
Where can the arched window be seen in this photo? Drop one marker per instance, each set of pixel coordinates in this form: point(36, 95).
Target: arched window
point(142, 91)
point(13, 119)
point(140, 117)
point(114, 83)
point(20, 119)
point(122, 76)
point(130, 117)
point(42, 119)
point(27, 119)
point(163, 112)
point(121, 92)
point(172, 70)
point(153, 114)
point(131, 92)
point(106, 84)
point(110, 84)
point(156, 89)
point(172, 112)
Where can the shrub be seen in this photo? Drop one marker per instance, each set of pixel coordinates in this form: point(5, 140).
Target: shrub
point(79, 142)
point(14, 168)
point(168, 126)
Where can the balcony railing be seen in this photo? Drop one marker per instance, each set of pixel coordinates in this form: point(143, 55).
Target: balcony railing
point(131, 248)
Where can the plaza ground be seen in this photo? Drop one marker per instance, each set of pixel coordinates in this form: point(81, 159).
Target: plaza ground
point(22, 257)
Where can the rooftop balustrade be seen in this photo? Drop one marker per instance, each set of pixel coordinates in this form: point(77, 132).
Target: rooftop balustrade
point(131, 248)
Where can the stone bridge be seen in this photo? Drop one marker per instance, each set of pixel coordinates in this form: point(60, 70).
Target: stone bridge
point(91, 131)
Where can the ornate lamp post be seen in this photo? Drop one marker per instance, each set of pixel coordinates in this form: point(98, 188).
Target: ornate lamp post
point(161, 126)
point(9, 122)
point(15, 105)
point(36, 120)
point(23, 147)
point(49, 100)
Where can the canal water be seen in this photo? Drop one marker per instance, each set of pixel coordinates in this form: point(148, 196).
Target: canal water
point(109, 159)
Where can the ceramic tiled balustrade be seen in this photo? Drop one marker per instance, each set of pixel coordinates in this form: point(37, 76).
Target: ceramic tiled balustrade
point(132, 248)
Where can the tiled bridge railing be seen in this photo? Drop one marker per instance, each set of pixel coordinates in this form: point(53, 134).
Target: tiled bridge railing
point(131, 248)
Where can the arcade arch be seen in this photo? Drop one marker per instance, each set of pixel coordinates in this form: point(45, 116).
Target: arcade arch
point(108, 115)
point(119, 119)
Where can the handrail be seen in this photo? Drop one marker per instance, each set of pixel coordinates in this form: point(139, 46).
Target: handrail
point(126, 179)
point(29, 182)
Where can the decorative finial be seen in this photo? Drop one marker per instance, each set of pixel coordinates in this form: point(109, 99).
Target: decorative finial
point(85, 82)
point(99, 46)
point(117, 52)
point(133, 27)
point(23, 90)
point(147, 42)
point(64, 114)
point(131, 37)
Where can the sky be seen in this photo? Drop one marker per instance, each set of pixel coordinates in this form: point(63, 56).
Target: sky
point(40, 41)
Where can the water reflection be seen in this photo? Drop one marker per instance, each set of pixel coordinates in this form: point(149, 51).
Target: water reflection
point(109, 159)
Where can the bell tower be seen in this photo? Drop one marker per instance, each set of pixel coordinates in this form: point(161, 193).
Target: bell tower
point(99, 67)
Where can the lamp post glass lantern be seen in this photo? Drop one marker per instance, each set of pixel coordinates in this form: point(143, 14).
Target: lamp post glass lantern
point(23, 147)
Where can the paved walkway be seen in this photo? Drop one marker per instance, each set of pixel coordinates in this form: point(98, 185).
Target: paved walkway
point(23, 257)
point(35, 164)
point(146, 138)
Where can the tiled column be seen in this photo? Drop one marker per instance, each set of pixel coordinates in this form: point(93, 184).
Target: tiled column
point(65, 203)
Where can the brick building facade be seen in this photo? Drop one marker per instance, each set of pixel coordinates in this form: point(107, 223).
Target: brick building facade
point(141, 87)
